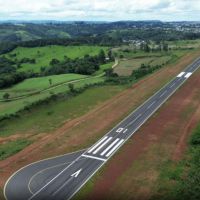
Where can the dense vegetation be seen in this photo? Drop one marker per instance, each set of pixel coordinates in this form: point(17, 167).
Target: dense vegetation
point(39, 58)
point(10, 66)
point(32, 31)
point(86, 66)
point(76, 33)
point(8, 74)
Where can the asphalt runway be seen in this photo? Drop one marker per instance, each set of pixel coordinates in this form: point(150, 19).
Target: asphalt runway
point(62, 177)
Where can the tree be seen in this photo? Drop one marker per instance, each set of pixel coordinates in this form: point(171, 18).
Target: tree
point(6, 96)
point(71, 87)
point(50, 81)
point(165, 47)
point(110, 55)
point(102, 56)
point(42, 69)
point(54, 61)
point(110, 73)
point(146, 48)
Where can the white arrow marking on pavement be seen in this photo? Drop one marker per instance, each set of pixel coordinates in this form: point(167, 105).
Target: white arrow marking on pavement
point(76, 173)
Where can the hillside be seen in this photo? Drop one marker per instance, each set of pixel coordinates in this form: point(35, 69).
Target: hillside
point(43, 55)
point(22, 31)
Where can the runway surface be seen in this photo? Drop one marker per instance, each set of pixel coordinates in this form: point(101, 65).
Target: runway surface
point(61, 177)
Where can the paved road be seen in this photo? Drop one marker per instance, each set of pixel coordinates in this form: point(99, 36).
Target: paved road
point(62, 177)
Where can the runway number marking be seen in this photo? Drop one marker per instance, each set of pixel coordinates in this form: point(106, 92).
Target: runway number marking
point(188, 75)
point(75, 175)
point(123, 130)
point(181, 74)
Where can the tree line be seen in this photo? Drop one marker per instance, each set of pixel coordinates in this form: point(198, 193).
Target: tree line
point(86, 65)
point(100, 40)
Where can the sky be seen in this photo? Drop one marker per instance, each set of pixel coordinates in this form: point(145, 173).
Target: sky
point(100, 10)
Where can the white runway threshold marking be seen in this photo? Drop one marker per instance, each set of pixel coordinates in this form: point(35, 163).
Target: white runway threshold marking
point(188, 75)
point(114, 148)
point(94, 157)
point(181, 74)
point(96, 145)
point(109, 147)
point(102, 145)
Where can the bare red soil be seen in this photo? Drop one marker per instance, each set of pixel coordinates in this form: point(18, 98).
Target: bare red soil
point(169, 129)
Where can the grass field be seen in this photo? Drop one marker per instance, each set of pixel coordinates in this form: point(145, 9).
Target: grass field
point(160, 60)
point(103, 67)
point(37, 84)
point(48, 117)
point(135, 52)
point(14, 106)
point(184, 44)
point(32, 89)
point(133, 60)
point(126, 67)
point(43, 55)
point(12, 148)
point(1, 194)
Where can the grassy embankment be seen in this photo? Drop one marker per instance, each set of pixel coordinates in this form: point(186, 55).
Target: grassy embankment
point(45, 118)
point(34, 85)
point(12, 147)
point(1, 194)
point(12, 107)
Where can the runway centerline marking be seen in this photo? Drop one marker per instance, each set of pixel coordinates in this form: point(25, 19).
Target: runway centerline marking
point(29, 183)
point(163, 94)
point(172, 85)
point(135, 119)
point(59, 189)
point(151, 105)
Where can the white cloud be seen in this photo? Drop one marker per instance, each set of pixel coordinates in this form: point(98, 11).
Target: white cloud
point(100, 9)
